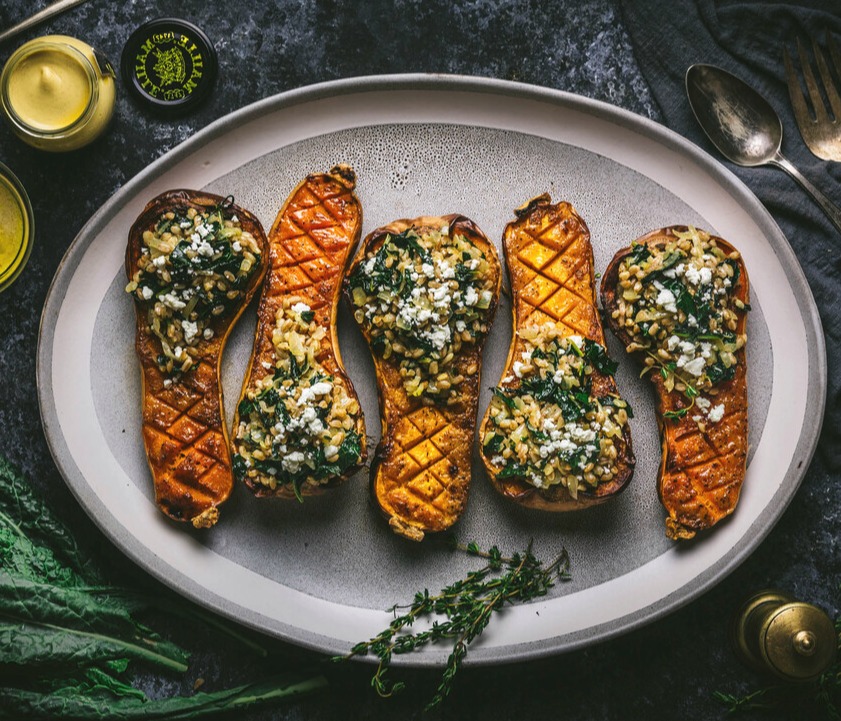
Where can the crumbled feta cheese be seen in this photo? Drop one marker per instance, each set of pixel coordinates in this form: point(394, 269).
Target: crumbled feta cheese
point(300, 308)
point(518, 369)
point(171, 301)
point(447, 271)
point(716, 413)
point(428, 270)
point(438, 337)
point(292, 463)
point(702, 403)
point(666, 300)
point(236, 246)
point(672, 342)
point(146, 292)
point(330, 451)
point(208, 333)
point(692, 275)
point(191, 330)
point(695, 367)
point(204, 248)
point(471, 297)
point(316, 390)
point(706, 275)
point(159, 262)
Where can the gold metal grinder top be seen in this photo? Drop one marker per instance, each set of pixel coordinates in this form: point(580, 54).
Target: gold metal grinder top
point(792, 640)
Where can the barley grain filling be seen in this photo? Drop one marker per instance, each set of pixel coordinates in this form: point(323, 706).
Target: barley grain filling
point(676, 302)
point(422, 297)
point(546, 426)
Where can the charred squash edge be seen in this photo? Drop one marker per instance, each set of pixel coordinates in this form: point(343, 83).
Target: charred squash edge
point(678, 529)
point(557, 499)
point(344, 175)
point(457, 223)
point(201, 201)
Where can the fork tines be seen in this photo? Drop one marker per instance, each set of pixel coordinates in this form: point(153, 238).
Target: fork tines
point(820, 127)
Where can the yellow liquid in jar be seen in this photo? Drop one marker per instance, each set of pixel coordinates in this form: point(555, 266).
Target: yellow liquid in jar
point(56, 93)
point(50, 89)
point(14, 233)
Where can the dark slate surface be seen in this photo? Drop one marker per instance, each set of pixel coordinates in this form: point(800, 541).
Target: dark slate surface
point(666, 670)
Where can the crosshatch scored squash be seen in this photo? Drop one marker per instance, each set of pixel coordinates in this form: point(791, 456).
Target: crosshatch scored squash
point(424, 293)
point(298, 429)
point(678, 299)
point(193, 260)
point(555, 436)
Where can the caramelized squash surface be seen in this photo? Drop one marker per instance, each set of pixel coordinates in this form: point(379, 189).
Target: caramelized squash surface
point(167, 265)
point(298, 429)
point(427, 350)
point(566, 442)
point(702, 397)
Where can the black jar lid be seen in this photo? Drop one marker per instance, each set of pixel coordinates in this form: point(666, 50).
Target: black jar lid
point(169, 64)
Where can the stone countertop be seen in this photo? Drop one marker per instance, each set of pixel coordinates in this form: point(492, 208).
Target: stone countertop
point(665, 670)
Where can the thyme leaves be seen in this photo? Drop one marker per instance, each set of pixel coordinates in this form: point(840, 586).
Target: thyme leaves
point(460, 612)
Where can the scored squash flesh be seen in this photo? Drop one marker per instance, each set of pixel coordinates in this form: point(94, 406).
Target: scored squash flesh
point(677, 298)
point(555, 436)
point(193, 260)
point(298, 429)
point(424, 293)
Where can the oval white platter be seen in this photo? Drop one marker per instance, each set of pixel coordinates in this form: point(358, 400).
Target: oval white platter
point(324, 574)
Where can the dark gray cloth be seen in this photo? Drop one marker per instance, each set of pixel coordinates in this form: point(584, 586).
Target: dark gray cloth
point(747, 38)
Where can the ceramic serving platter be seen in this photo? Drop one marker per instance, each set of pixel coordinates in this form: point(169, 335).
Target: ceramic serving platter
point(323, 574)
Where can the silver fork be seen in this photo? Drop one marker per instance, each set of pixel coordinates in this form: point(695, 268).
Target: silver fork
point(820, 128)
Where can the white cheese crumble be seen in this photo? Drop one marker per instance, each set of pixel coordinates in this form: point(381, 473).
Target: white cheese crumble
point(316, 390)
point(300, 307)
point(716, 413)
point(293, 462)
point(666, 300)
point(191, 330)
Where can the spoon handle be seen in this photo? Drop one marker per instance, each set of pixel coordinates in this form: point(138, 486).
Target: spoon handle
point(47, 12)
point(833, 212)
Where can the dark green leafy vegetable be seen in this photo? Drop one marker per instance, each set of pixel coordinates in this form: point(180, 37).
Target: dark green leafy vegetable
point(461, 611)
point(67, 638)
point(89, 699)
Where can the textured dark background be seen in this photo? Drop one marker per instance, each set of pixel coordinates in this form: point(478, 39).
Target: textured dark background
point(666, 670)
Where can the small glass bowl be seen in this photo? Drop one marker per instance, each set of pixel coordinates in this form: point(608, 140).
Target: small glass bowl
point(22, 246)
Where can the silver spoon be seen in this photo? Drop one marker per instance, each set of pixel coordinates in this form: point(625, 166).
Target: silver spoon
point(47, 12)
point(743, 126)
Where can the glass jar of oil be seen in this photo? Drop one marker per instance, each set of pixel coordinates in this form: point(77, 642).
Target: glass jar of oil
point(16, 227)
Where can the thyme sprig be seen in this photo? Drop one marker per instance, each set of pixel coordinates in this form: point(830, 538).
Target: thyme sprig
point(460, 612)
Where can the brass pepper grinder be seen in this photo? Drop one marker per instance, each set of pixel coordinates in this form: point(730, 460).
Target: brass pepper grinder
point(775, 633)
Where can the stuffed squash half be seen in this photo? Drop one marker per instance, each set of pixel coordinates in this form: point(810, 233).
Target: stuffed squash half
point(678, 299)
point(193, 260)
point(298, 429)
point(555, 436)
point(424, 293)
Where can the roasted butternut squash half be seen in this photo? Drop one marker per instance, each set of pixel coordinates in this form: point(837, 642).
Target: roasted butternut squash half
point(193, 260)
point(298, 428)
point(555, 436)
point(424, 293)
point(678, 299)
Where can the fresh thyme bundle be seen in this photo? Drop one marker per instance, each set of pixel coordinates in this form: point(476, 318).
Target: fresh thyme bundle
point(466, 608)
point(67, 637)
